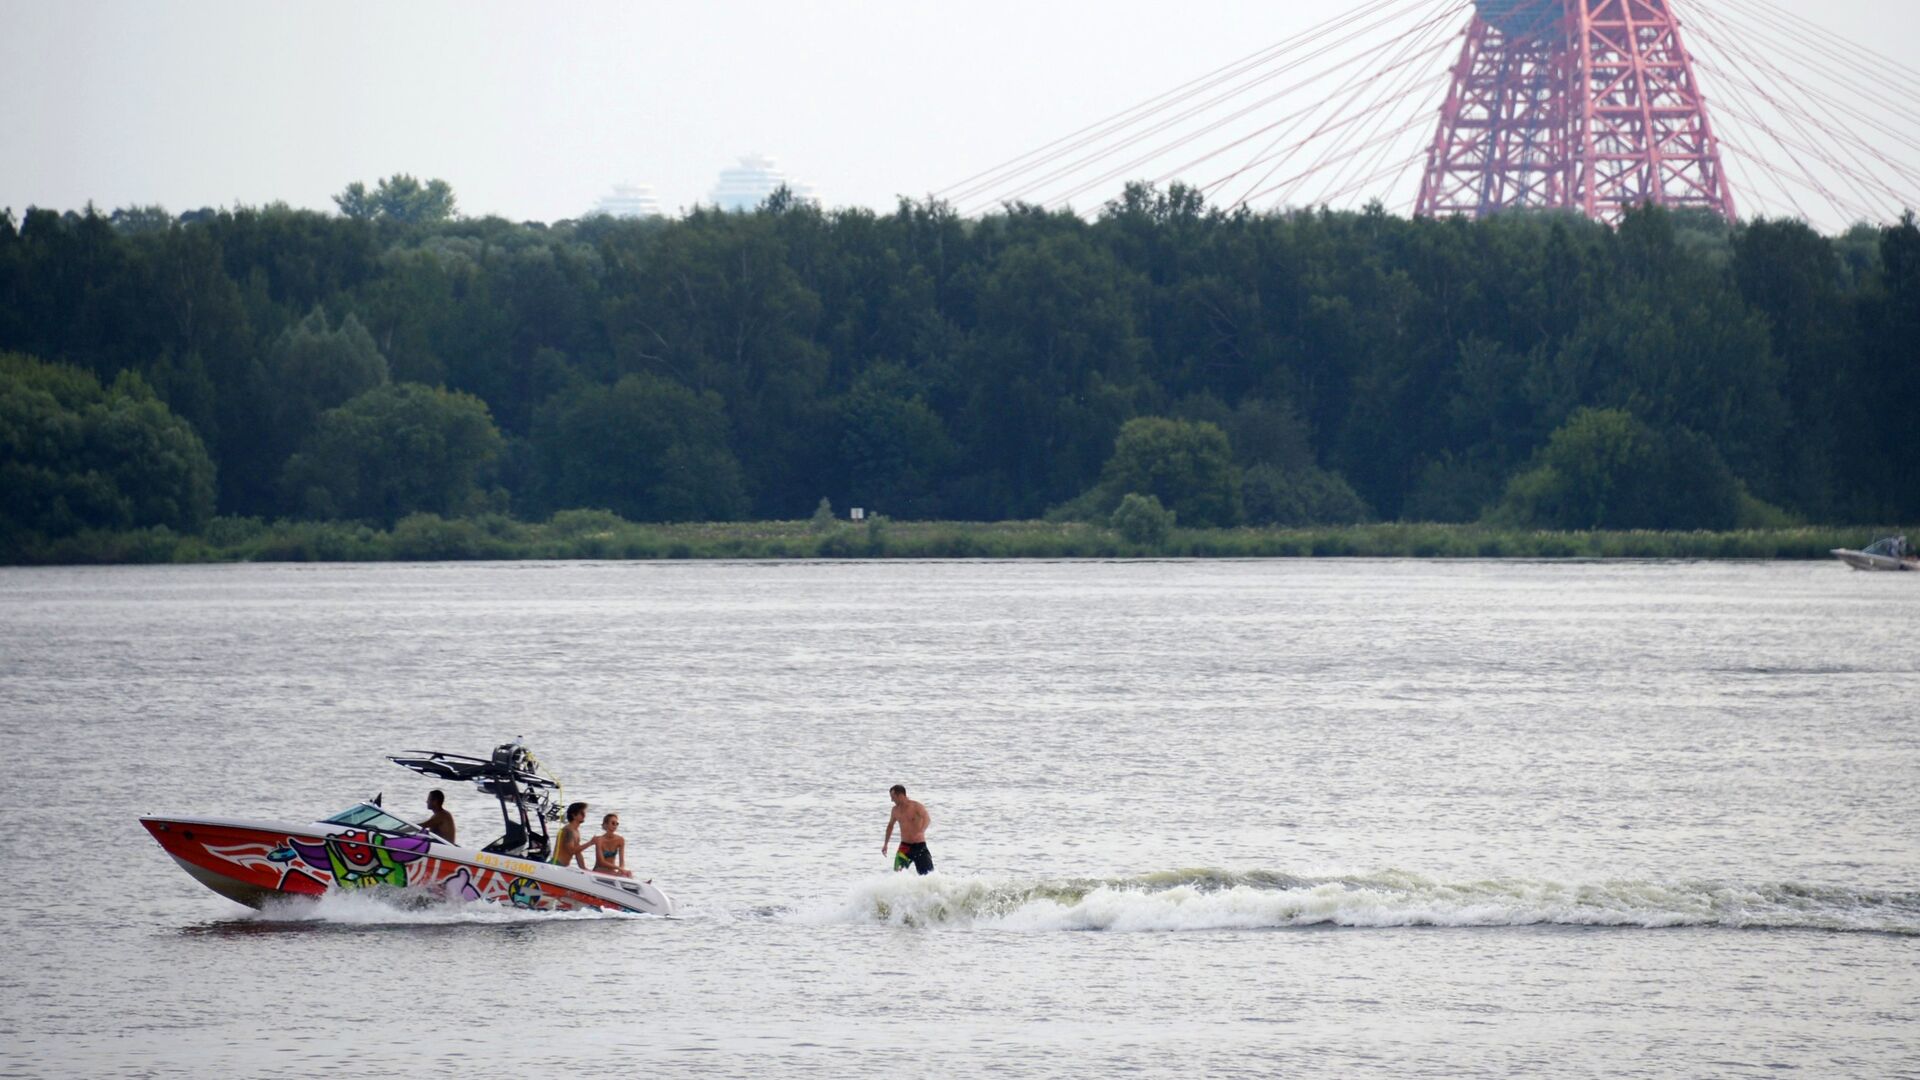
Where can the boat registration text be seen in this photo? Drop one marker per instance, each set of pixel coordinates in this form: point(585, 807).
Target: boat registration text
point(511, 866)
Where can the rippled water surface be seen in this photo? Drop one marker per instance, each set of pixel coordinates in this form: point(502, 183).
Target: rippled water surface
point(1302, 817)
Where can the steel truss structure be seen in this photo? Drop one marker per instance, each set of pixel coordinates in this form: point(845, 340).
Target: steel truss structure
point(1594, 107)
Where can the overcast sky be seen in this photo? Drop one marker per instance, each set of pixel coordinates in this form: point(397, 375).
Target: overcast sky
point(534, 110)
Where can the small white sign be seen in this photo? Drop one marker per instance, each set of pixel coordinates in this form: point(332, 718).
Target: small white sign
point(857, 514)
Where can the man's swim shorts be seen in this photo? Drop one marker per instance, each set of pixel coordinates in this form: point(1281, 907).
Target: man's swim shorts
point(915, 855)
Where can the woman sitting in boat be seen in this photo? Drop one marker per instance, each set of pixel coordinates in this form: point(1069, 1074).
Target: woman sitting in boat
point(610, 848)
point(569, 847)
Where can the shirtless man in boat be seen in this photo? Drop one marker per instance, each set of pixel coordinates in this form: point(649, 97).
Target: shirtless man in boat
point(568, 848)
point(439, 820)
point(912, 819)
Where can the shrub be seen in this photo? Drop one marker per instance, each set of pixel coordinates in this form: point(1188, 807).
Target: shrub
point(1303, 496)
point(1755, 513)
point(78, 456)
point(647, 448)
point(1604, 469)
point(429, 537)
point(1186, 466)
point(1448, 490)
point(392, 451)
point(1140, 519)
point(823, 520)
point(839, 544)
point(576, 523)
point(319, 541)
point(232, 532)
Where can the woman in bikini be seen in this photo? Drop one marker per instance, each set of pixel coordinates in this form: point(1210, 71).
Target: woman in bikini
point(610, 848)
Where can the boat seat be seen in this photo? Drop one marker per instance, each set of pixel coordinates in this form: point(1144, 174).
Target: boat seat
point(511, 843)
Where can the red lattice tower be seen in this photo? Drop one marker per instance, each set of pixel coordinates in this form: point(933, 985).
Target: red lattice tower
point(1582, 104)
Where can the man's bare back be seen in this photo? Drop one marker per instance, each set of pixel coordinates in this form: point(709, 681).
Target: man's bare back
point(441, 824)
point(912, 817)
point(439, 821)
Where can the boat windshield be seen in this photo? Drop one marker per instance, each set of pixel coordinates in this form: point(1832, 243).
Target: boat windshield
point(368, 816)
point(1893, 547)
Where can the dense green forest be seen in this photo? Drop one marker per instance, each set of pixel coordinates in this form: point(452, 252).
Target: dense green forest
point(1301, 368)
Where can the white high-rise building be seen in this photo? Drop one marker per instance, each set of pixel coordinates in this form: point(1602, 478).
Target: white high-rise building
point(628, 201)
point(747, 185)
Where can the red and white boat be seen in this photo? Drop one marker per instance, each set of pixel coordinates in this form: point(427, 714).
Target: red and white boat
point(364, 846)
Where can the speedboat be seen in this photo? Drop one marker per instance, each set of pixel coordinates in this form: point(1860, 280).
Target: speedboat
point(1886, 554)
point(366, 847)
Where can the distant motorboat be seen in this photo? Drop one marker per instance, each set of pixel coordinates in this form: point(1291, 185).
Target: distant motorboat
point(1889, 553)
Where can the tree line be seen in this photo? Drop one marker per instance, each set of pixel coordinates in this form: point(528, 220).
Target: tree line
point(1304, 367)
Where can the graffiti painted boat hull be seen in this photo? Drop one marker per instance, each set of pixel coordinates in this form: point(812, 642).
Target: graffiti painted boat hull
point(251, 862)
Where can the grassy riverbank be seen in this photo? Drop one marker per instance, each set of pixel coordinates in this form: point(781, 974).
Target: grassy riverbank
point(596, 535)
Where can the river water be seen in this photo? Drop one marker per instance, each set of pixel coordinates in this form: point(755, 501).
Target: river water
point(1318, 817)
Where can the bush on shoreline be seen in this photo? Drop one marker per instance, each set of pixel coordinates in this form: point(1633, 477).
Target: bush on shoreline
point(597, 534)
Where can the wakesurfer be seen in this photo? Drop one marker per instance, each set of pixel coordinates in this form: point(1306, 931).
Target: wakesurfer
point(912, 818)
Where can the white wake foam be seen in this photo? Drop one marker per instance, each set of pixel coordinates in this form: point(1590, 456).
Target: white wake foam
point(1214, 900)
point(391, 907)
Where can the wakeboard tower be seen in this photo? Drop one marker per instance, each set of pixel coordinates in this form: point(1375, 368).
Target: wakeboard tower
point(364, 846)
